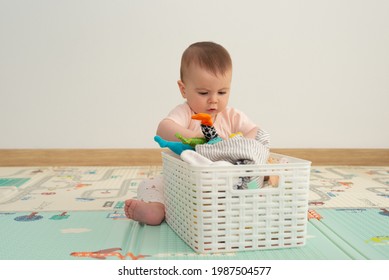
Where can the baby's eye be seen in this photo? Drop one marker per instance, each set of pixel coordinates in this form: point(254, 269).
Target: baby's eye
point(222, 92)
point(203, 92)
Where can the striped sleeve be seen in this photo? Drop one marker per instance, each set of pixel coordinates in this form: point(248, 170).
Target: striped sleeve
point(263, 137)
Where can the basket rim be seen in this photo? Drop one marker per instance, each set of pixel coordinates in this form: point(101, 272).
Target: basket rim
point(294, 162)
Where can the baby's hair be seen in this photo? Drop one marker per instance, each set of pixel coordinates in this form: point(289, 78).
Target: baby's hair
point(208, 55)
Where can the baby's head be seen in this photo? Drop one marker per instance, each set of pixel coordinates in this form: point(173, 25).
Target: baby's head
point(209, 56)
point(206, 71)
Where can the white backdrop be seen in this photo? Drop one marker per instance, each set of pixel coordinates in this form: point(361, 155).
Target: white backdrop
point(101, 74)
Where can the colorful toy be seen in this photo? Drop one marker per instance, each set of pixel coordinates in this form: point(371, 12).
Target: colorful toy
point(232, 135)
point(177, 147)
point(207, 128)
point(209, 131)
point(191, 141)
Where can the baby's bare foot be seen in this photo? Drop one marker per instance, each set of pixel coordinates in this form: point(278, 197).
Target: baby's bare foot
point(150, 213)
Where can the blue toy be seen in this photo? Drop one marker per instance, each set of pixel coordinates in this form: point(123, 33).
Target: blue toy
point(177, 147)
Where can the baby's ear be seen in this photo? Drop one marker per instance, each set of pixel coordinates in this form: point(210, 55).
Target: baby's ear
point(181, 86)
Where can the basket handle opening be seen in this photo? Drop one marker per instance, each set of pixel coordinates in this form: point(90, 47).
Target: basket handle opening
point(256, 182)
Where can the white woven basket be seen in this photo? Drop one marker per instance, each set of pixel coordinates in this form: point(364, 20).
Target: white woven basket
point(204, 209)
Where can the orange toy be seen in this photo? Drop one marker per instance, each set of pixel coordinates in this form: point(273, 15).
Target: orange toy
point(205, 119)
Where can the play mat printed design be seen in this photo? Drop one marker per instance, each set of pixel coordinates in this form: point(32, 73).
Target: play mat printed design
point(77, 213)
point(352, 187)
point(70, 188)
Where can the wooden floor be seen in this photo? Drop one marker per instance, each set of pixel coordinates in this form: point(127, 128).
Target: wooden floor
point(139, 157)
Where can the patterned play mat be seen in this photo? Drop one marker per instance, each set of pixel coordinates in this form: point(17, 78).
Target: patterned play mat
point(77, 212)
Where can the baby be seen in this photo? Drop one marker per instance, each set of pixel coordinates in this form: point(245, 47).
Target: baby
point(205, 83)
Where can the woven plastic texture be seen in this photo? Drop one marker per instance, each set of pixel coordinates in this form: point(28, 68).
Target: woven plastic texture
point(205, 210)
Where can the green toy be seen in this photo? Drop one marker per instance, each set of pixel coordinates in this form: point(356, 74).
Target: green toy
point(191, 141)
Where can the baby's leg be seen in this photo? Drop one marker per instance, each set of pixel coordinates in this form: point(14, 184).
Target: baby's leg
point(149, 208)
point(150, 213)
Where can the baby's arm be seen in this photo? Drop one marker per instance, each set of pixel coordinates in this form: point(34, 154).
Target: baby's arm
point(168, 128)
point(252, 133)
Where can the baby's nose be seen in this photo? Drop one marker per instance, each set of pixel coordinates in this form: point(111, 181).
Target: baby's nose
point(213, 99)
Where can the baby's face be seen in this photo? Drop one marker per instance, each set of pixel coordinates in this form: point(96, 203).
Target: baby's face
point(205, 92)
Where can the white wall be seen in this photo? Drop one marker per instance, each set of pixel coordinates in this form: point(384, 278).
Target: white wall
point(101, 74)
